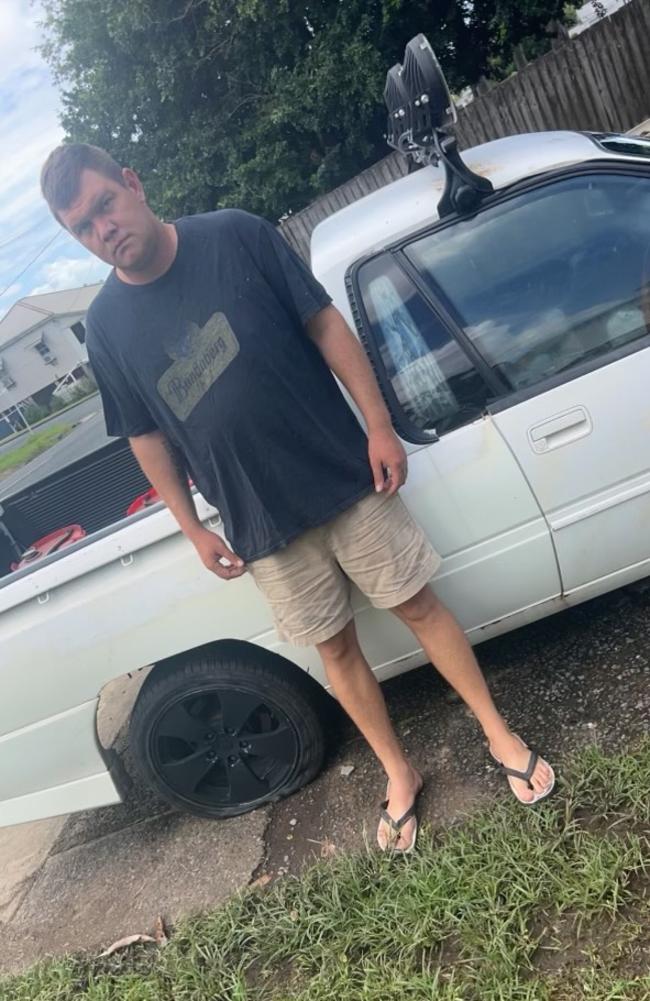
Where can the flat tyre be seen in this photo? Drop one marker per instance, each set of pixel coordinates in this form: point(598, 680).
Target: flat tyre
point(225, 733)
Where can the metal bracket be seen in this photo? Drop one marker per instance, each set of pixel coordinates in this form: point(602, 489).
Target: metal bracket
point(43, 598)
point(126, 561)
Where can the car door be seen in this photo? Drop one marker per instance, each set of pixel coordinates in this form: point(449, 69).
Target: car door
point(551, 286)
point(464, 486)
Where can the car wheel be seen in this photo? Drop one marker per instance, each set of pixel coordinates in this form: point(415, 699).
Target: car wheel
point(226, 732)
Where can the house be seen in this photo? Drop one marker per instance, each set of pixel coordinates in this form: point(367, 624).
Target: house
point(42, 350)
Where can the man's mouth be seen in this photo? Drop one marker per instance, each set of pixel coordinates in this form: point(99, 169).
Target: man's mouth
point(118, 246)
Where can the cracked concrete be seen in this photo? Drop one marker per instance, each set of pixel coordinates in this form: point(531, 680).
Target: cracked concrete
point(84, 881)
point(23, 850)
point(87, 896)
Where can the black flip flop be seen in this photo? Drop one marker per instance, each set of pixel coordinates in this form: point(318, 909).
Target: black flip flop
point(526, 776)
point(396, 826)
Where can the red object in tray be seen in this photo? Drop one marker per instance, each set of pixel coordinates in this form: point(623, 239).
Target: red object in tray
point(146, 499)
point(59, 539)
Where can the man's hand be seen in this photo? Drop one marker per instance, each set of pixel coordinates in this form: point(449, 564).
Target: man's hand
point(386, 453)
point(212, 549)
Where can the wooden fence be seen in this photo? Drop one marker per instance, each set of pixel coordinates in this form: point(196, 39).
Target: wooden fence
point(597, 81)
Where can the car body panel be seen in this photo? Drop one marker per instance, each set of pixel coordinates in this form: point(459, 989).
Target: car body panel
point(592, 474)
point(52, 763)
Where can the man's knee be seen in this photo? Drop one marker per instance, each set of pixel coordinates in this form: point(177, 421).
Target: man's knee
point(421, 607)
point(341, 648)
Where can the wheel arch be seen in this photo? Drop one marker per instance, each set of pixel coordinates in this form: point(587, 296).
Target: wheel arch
point(234, 648)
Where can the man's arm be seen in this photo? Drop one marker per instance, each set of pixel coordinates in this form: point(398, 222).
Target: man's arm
point(347, 360)
point(162, 464)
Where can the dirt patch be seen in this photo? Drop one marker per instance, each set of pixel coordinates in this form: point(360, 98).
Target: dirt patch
point(578, 678)
point(622, 943)
point(339, 812)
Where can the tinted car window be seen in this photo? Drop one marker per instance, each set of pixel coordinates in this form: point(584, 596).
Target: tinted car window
point(433, 381)
point(550, 278)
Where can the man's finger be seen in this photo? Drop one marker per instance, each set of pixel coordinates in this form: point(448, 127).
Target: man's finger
point(397, 478)
point(222, 550)
point(227, 572)
point(378, 474)
point(393, 483)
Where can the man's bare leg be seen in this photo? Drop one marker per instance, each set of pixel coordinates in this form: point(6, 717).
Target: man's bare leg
point(358, 692)
point(447, 647)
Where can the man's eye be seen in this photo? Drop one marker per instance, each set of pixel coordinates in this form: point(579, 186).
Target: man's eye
point(107, 201)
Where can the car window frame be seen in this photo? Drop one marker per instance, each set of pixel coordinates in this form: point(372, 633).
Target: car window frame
point(403, 425)
point(505, 396)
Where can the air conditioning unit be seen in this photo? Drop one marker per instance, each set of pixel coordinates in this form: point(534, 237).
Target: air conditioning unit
point(6, 381)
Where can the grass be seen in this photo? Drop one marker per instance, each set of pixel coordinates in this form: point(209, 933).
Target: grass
point(36, 443)
point(551, 904)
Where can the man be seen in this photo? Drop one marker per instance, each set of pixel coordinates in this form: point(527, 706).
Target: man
point(214, 347)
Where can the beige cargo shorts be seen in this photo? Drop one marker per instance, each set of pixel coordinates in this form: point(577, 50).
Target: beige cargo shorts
point(376, 544)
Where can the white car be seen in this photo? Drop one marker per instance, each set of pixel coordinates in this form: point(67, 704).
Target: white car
point(512, 346)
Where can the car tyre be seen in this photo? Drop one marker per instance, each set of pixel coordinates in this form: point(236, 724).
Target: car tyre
point(227, 731)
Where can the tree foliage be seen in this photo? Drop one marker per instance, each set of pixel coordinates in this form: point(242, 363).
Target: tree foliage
point(259, 103)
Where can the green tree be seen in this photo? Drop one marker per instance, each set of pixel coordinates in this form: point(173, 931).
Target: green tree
point(506, 24)
point(257, 103)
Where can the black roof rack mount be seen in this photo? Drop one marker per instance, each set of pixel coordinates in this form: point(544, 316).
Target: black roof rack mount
point(420, 114)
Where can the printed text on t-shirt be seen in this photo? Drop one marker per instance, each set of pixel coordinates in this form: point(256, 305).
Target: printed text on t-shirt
point(204, 355)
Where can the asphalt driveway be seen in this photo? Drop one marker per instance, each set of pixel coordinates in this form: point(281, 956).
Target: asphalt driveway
point(82, 882)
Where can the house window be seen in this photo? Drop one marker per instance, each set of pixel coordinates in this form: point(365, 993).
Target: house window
point(43, 348)
point(79, 331)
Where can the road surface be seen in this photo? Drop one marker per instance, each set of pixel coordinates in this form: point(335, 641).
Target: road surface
point(87, 437)
point(91, 405)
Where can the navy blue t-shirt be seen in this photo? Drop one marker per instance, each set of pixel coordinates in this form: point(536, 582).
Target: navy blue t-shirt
point(215, 355)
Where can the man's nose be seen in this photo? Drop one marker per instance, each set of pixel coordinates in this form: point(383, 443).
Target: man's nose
point(106, 229)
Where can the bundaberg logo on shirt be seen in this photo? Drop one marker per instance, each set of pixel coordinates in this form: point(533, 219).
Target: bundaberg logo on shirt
point(199, 359)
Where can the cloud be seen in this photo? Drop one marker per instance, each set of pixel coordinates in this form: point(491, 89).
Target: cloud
point(27, 133)
point(70, 272)
point(29, 129)
point(19, 35)
point(11, 294)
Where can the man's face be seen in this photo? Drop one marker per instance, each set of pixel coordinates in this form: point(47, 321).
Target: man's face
point(112, 221)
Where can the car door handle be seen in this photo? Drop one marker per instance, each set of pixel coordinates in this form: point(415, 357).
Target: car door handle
point(560, 430)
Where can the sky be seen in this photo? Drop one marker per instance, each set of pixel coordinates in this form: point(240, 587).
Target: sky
point(29, 129)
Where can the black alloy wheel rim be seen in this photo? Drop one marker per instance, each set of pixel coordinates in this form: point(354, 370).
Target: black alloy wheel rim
point(223, 747)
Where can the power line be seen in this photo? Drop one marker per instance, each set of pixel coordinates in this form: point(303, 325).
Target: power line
point(33, 261)
point(19, 236)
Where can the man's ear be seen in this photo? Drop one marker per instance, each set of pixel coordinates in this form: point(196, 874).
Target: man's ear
point(133, 183)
